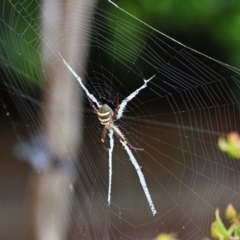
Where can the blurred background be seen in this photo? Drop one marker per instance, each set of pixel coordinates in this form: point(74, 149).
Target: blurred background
point(30, 88)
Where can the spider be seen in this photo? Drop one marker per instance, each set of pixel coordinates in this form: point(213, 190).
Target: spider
point(107, 116)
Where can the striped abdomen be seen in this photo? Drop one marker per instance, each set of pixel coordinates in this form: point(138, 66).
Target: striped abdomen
point(104, 114)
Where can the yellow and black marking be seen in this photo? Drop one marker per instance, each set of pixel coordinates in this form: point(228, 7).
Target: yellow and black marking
point(104, 114)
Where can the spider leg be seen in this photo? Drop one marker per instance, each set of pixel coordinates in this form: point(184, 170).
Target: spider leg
point(91, 104)
point(116, 108)
point(125, 141)
point(103, 137)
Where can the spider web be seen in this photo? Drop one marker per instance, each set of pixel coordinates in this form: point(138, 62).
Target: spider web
point(177, 119)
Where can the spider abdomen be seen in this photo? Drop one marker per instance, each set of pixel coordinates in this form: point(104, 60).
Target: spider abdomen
point(104, 114)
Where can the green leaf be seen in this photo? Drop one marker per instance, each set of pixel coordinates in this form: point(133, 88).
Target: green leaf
point(220, 226)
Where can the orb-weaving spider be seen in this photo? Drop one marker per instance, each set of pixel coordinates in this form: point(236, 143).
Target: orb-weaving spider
point(107, 117)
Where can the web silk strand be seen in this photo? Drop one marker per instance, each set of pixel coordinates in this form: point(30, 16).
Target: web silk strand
point(131, 96)
point(110, 152)
point(141, 178)
point(139, 172)
point(163, 34)
point(80, 82)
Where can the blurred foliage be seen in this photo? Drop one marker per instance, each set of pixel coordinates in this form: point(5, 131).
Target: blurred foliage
point(19, 48)
point(220, 231)
point(230, 145)
point(166, 236)
point(217, 21)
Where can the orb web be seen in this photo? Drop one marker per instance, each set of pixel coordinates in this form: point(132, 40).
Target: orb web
point(176, 118)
